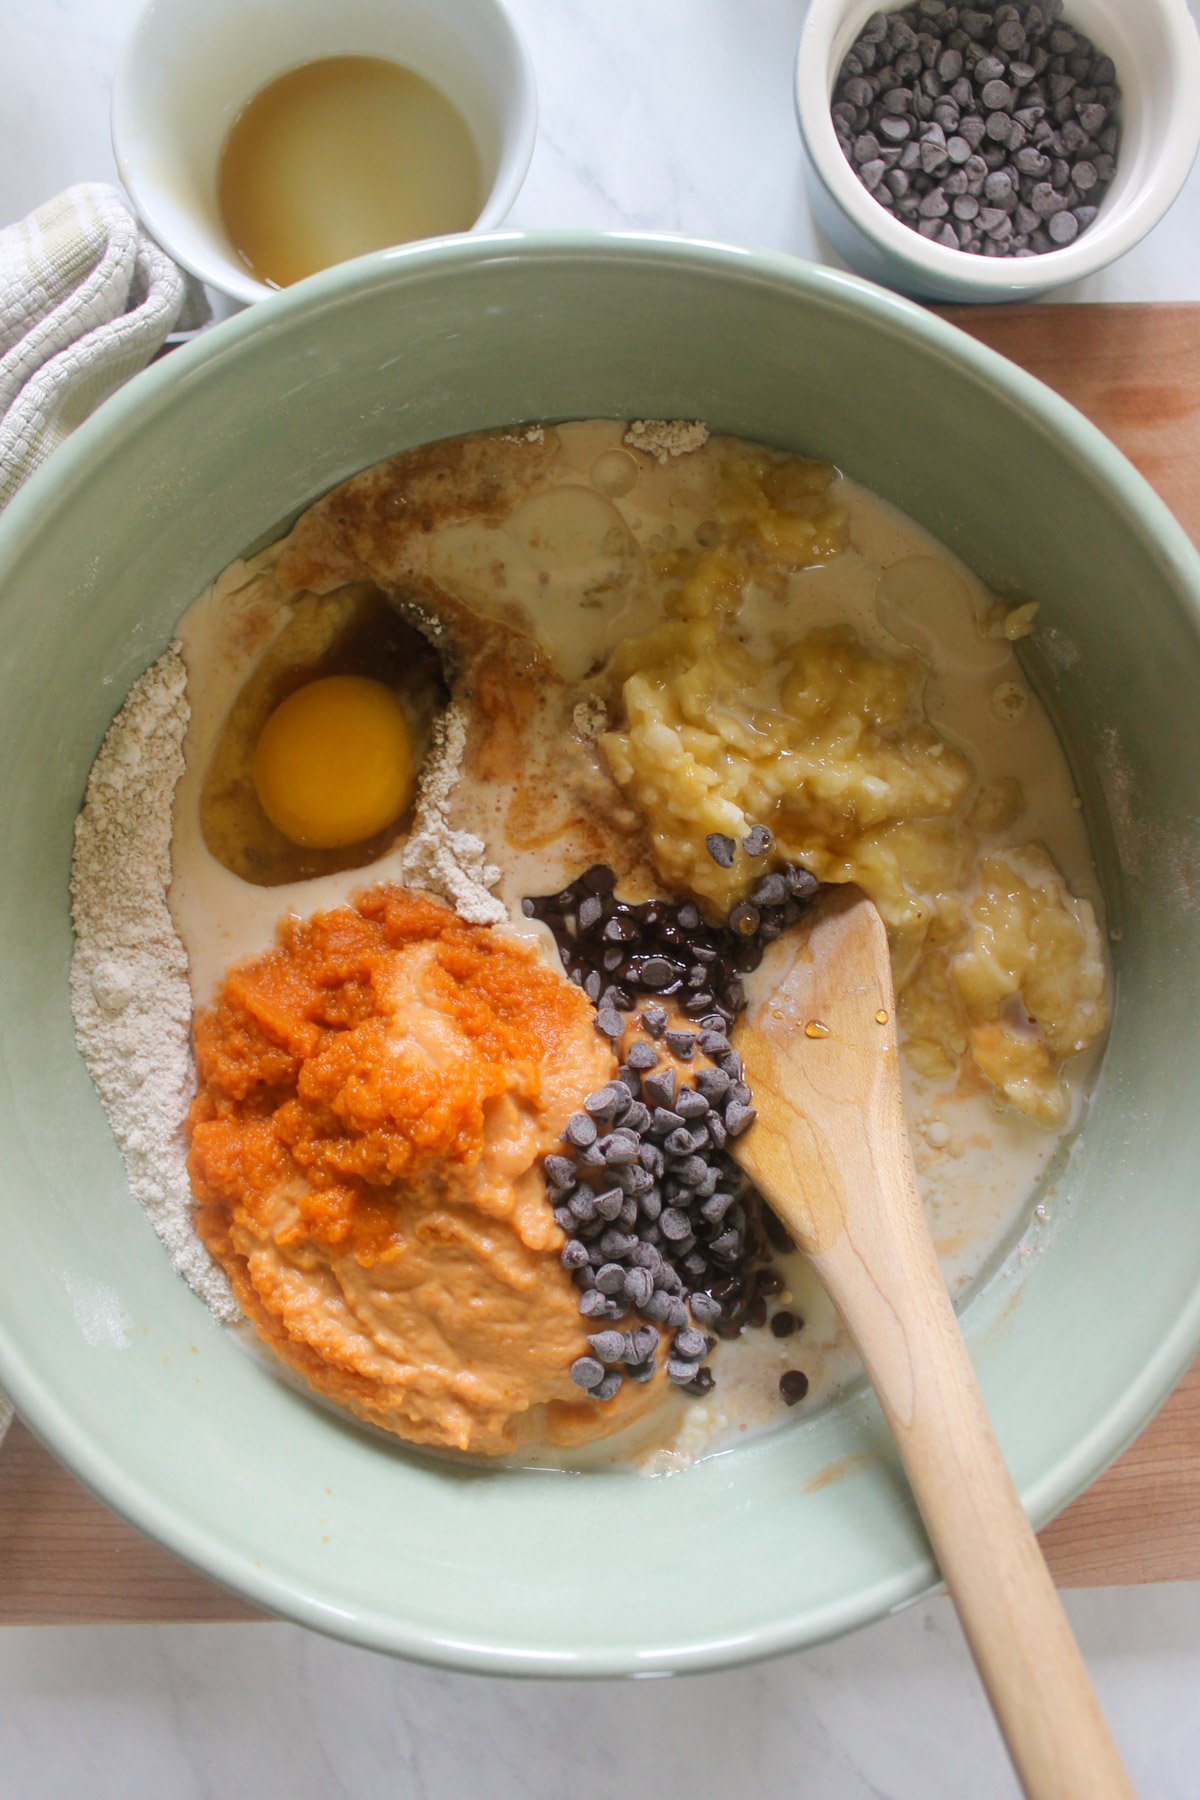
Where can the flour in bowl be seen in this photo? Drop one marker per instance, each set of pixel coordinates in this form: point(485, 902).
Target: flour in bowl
point(129, 978)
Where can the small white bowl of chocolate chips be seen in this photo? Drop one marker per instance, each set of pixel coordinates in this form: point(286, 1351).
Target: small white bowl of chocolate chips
point(991, 151)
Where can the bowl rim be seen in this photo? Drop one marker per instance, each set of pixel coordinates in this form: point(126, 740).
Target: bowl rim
point(51, 487)
point(222, 273)
point(994, 278)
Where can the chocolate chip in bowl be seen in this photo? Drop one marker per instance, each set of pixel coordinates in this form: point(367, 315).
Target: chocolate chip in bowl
point(994, 131)
point(1082, 118)
point(680, 1235)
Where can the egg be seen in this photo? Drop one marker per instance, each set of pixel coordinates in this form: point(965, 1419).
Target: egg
point(334, 763)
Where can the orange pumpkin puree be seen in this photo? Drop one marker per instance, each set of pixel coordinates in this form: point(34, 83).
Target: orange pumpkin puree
point(374, 1098)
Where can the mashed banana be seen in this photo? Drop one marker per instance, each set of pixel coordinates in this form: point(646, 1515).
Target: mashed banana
point(829, 746)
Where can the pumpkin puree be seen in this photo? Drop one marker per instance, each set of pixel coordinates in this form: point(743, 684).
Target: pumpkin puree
point(374, 1098)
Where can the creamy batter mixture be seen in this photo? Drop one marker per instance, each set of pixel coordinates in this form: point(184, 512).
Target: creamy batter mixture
point(589, 590)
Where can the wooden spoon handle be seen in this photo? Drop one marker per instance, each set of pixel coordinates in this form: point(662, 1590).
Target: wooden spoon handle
point(895, 1301)
point(831, 1153)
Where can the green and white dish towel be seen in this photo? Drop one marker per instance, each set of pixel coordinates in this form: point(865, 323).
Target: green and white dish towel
point(86, 300)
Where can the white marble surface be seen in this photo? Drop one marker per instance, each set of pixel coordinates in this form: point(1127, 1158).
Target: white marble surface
point(668, 115)
point(264, 1712)
point(663, 115)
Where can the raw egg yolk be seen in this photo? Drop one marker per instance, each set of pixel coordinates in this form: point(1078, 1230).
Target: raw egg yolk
point(334, 762)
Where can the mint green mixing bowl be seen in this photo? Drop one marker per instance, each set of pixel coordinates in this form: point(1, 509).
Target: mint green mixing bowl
point(792, 1538)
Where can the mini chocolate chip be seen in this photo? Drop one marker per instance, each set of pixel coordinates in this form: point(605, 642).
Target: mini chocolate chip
point(608, 1346)
point(770, 891)
point(639, 1285)
point(656, 972)
point(681, 1044)
point(739, 1118)
point(757, 841)
point(689, 1344)
point(716, 1205)
point(793, 1385)
point(587, 1371)
point(605, 1100)
point(744, 919)
point(654, 1020)
point(720, 848)
point(620, 1147)
point(640, 1343)
point(801, 883)
point(590, 913)
point(682, 1372)
point(712, 1083)
point(784, 1324)
point(674, 1224)
point(1063, 227)
point(659, 1087)
point(579, 1130)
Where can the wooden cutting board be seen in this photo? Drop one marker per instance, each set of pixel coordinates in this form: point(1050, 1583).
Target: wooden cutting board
point(1135, 370)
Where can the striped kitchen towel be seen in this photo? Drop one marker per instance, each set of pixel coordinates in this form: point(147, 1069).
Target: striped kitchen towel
point(86, 299)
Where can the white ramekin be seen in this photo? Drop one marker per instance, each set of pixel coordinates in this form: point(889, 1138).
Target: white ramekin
point(191, 65)
point(1157, 55)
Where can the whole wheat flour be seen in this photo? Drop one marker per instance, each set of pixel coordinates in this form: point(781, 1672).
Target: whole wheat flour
point(448, 862)
point(129, 979)
point(661, 438)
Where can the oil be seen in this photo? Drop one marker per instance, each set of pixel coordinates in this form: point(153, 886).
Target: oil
point(339, 157)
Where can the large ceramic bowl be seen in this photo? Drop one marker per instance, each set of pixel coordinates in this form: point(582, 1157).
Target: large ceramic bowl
point(797, 1536)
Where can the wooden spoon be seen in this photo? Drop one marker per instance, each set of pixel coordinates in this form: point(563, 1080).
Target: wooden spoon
point(830, 1152)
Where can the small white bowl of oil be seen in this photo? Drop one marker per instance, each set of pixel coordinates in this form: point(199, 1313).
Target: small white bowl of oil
point(261, 140)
